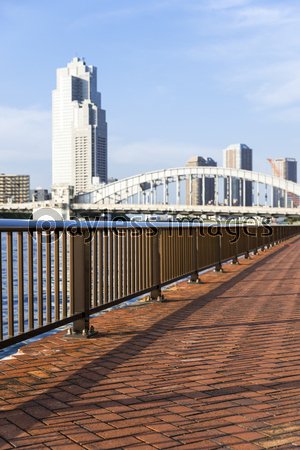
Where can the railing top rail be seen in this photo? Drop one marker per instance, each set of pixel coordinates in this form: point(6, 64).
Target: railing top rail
point(74, 226)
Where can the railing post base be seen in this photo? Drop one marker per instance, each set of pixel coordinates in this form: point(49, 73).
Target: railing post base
point(156, 295)
point(83, 335)
point(235, 262)
point(218, 269)
point(247, 256)
point(194, 279)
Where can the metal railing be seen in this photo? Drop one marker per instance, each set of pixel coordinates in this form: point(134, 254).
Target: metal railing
point(52, 274)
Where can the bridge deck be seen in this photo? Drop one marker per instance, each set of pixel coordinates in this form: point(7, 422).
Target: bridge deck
point(215, 366)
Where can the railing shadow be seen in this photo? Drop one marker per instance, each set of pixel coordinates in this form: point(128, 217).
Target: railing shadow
point(98, 369)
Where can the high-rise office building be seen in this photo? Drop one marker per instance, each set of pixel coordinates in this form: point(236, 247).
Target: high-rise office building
point(197, 185)
point(79, 145)
point(238, 156)
point(285, 168)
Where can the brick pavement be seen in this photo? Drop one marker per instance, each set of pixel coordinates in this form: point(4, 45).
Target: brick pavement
point(214, 366)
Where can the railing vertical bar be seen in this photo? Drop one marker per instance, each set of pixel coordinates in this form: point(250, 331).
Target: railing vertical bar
point(120, 261)
point(186, 259)
point(20, 283)
point(163, 253)
point(95, 268)
point(39, 252)
point(111, 274)
point(10, 290)
point(30, 281)
point(125, 263)
point(71, 273)
point(173, 255)
point(106, 237)
point(64, 274)
point(1, 300)
point(133, 261)
point(150, 244)
point(141, 262)
point(128, 245)
point(174, 251)
point(179, 252)
point(88, 250)
point(147, 238)
point(48, 277)
point(174, 247)
point(169, 263)
point(116, 257)
point(143, 258)
point(137, 267)
point(56, 275)
point(100, 259)
point(178, 272)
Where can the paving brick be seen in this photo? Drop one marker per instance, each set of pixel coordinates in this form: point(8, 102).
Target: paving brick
point(215, 366)
point(80, 435)
point(113, 443)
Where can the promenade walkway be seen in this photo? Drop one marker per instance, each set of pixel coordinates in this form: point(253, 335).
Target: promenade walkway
point(216, 365)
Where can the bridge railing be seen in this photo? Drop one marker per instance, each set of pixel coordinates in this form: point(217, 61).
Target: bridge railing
point(53, 274)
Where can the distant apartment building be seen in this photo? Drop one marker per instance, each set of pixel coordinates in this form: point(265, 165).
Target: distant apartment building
point(194, 195)
point(14, 188)
point(39, 194)
point(285, 168)
point(79, 134)
point(238, 156)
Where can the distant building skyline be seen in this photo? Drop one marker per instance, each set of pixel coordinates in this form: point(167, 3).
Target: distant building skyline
point(14, 188)
point(238, 156)
point(285, 168)
point(79, 131)
point(195, 195)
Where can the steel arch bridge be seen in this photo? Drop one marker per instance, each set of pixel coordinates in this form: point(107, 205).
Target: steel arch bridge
point(142, 189)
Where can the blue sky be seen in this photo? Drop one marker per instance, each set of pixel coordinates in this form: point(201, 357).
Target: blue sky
point(178, 78)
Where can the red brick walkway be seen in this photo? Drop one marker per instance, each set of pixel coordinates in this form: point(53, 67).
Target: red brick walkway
point(214, 366)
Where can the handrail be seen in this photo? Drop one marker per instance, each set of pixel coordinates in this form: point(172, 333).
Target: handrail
point(55, 273)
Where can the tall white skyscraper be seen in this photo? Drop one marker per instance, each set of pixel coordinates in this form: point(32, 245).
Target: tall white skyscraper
point(79, 133)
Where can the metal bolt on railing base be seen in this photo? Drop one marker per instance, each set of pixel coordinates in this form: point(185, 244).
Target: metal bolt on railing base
point(159, 298)
point(194, 281)
point(84, 334)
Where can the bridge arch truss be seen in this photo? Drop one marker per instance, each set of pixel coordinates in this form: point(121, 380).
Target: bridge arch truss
point(235, 185)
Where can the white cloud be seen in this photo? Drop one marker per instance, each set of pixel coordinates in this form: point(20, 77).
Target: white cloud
point(256, 17)
point(25, 134)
